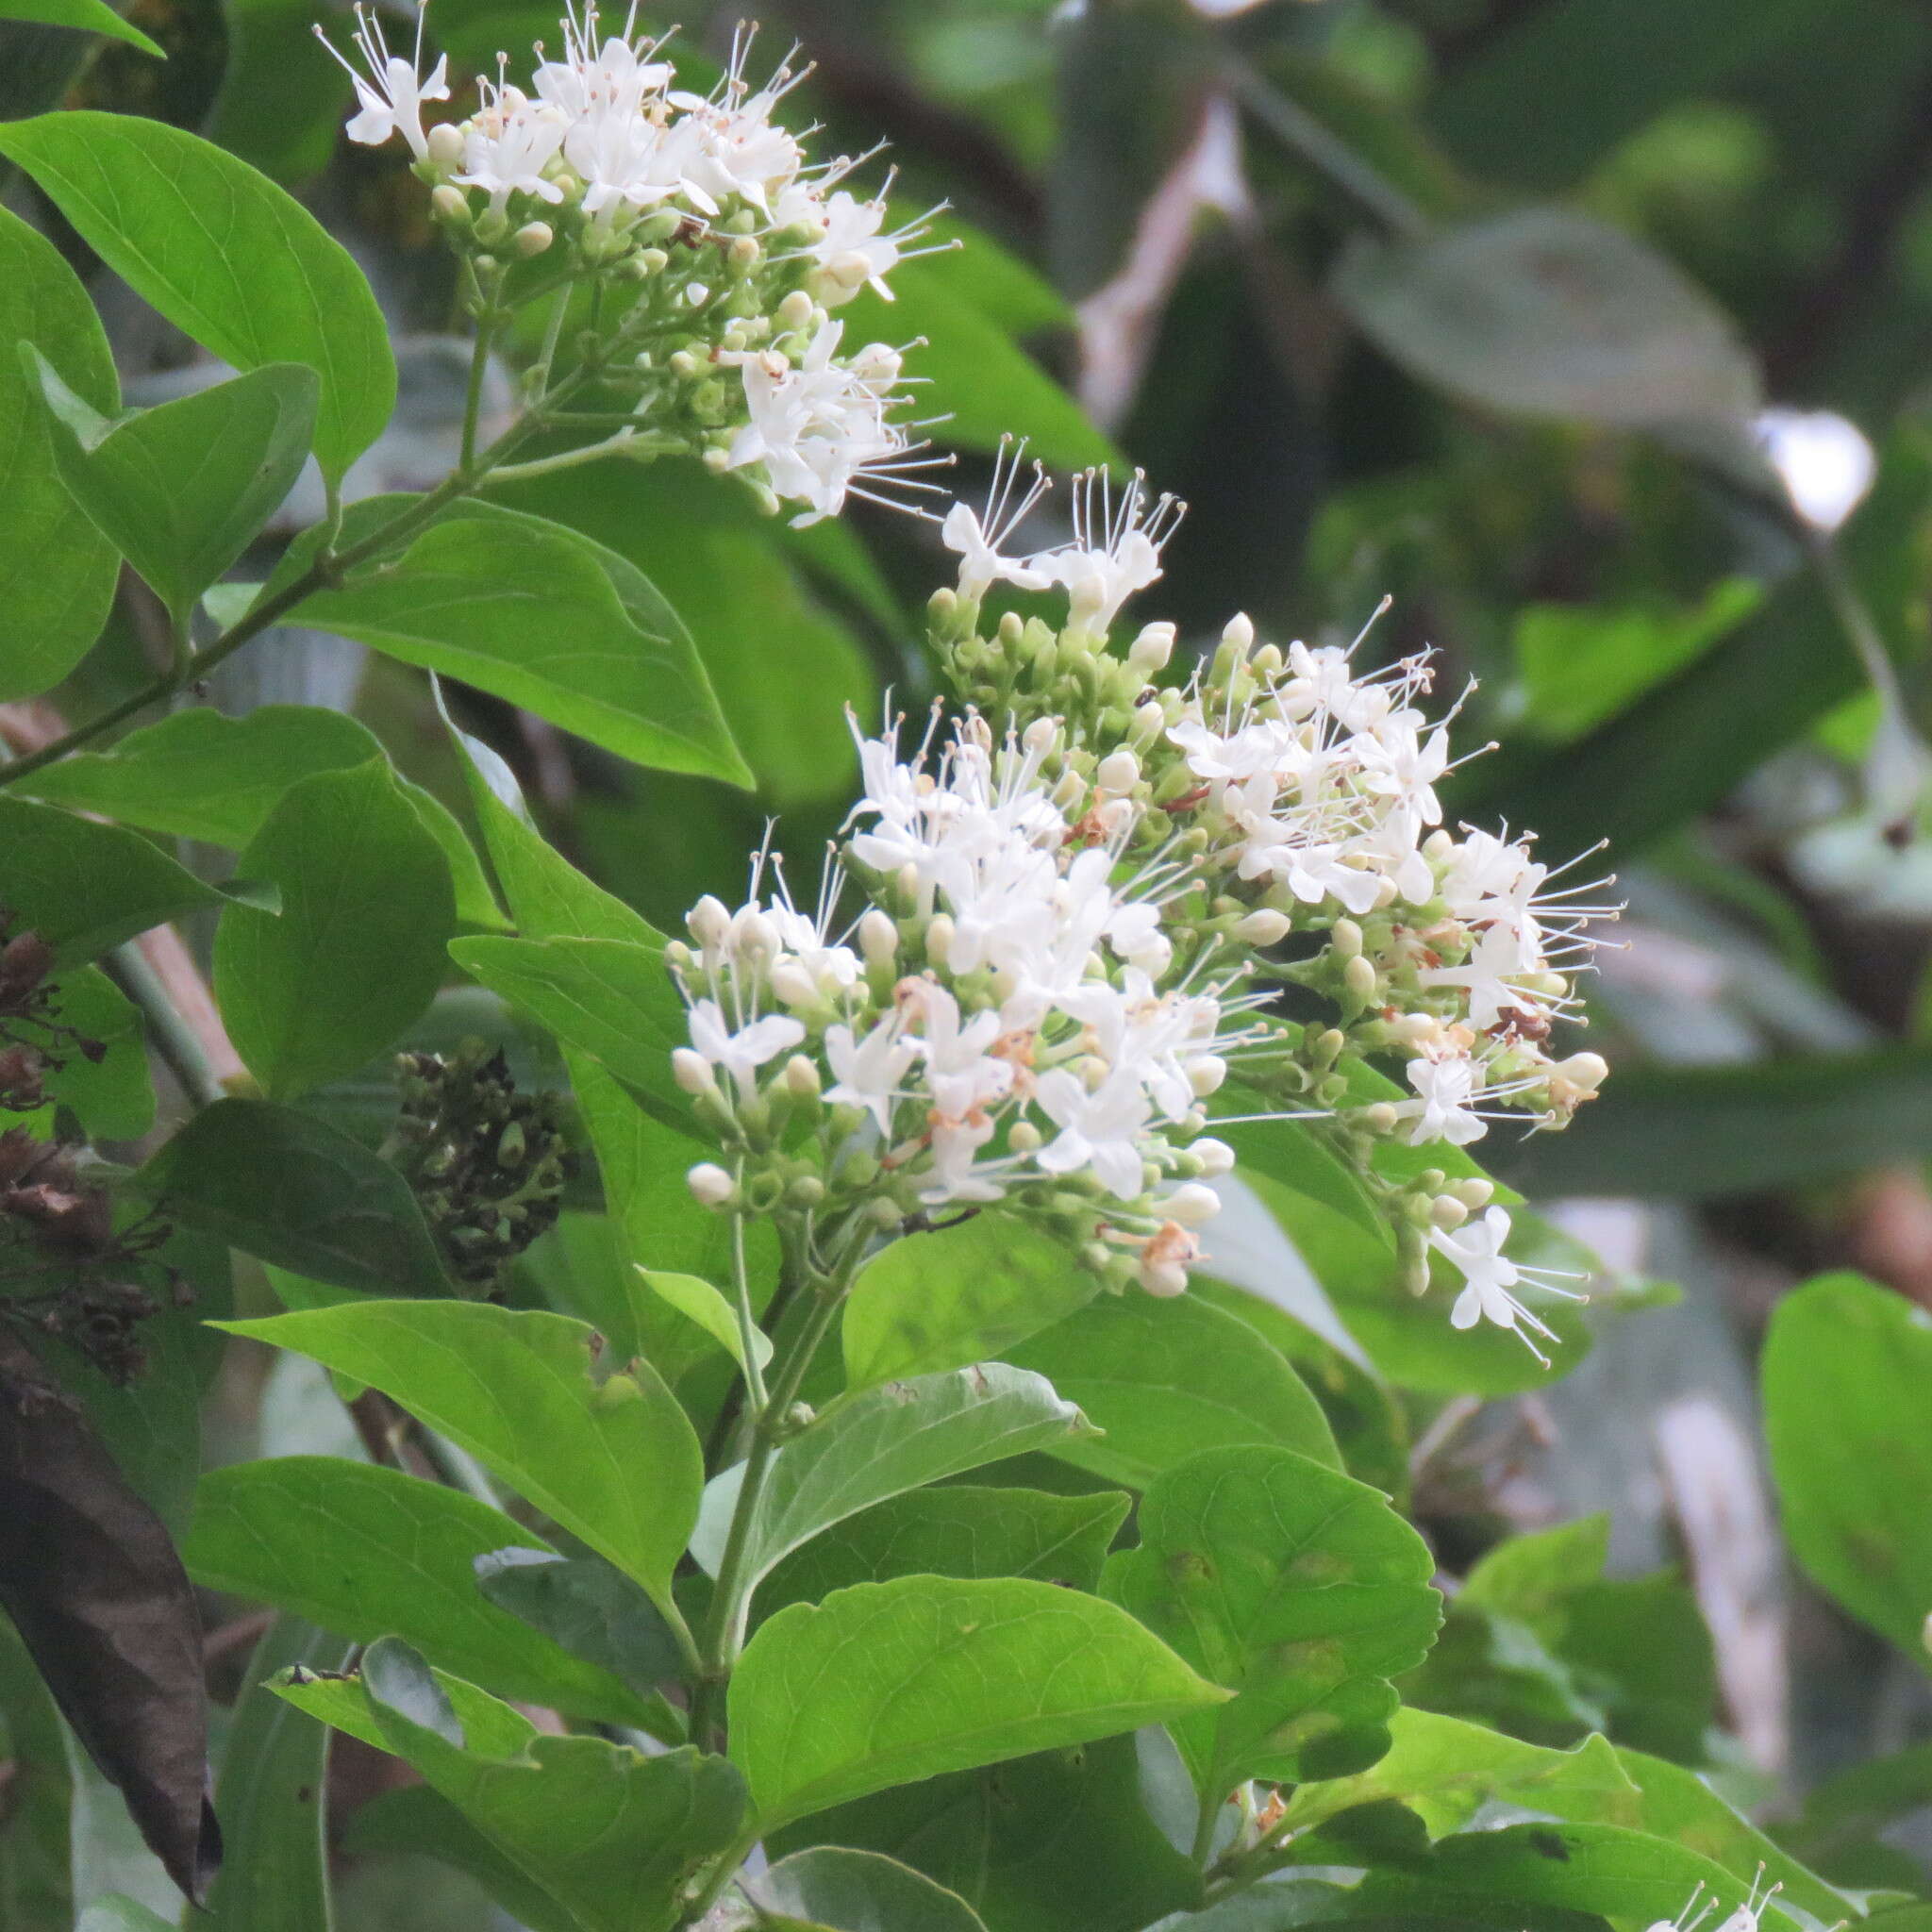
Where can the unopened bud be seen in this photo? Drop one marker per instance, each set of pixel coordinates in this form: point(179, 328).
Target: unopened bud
point(1163, 1278)
point(533, 237)
point(939, 938)
point(1359, 976)
point(1238, 631)
point(1023, 1137)
point(793, 984)
point(1206, 1074)
point(708, 923)
point(1266, 927)
point(1212, 1157)
point(1586, 1071)
point(1191, 1203)
point(800, 1078)
point(1380, 1118)
point(1038, 736)
point(691, 1070)
point(1446, 1211)
point(1119, 771)
point(744, 252)
point(449, 203)
point(1345, 937)
point(709, 1185)
point(878, 939)
point(796, 311)
point(1475, 1193)
point(444, 146)
point(1150, 721)
point(1150, 651)
point(753, 935)
point(1267, 660)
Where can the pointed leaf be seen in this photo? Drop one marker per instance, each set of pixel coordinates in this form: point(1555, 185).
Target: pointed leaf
point(966, 1293)
point(57, 571)
point(878, 1444)
point(538, 614)
point(90, 16)
point(888, 1682)
point(1300, 1588)
point(291, 1189)
point(698, 1301)
point(224, 254)
point(367, 1552)
point(1166, 1378)
point(182, 489)
point(613, 1462)
point(357, 951)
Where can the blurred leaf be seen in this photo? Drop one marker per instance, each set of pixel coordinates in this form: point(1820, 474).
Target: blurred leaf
point(1847, 1371)
point(1862, 1799)
point(57, 572)
point(271, 1796)
point(367, 1552)
point(36, 1855)
point(357, 951)
point(1698, 1132)
point(1003, 1667)
point(115, 1912)
point(783, 670)
point(541, 615)
point(89, 16)
point(878, 1445)
point(92, 1584)
point(282, 95)
point(615, 1462)
point(1543, 311)
point(954, 1529)
point(1560, 86)
point(287, 1187)
point(1300, 1590)
point(182, 489)
point(1038, 1844)
point(840, 1890)
point(961, 1294)
point(225, 255)
point(1168, 1379)
point(85, 886)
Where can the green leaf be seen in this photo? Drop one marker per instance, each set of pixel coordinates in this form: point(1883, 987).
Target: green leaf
point(85, 886)
point(548, 896)
point(1847, 1370)
point(878, 1444)
point(36, 1845)
point(358, 950)
point(1167, 1378)
point(199, 774)
point(1450, 1774)
point(539, 615)
point(1036, 1844)
point(181, 490)
point(611, 1835)
point(1860, 1801)
point(113, 1098)
point(1297, 1158)
point(368, 1551)
point(966, 1293)
point(117, 1912)
point(57, 571)
point(280, 104)
point(842, 1890)
point(1544, 312)
point(615, 1462)
point(289, 1189)
point(1300, 1588)
point(699, 1302)
point(1680, 1806)
point(225, 255)
point(275, 1864)
point(88, 16)
point(888, 1682)
point(613, 998)
point(783, 669)
point(955, 1530)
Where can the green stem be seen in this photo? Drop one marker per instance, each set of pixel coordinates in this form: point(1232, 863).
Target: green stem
point(173, 1039)
point(626, 442)
point(748, 1331)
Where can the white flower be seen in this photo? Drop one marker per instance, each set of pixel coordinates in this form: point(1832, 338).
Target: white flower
point(742, 1052)
point(1101, 1130)
point(593, 79)
point(869, 1070)
point(1444, 1109)
point(961, 1074)
point(978, 536)
point(851, 250)
point(1477, 1252)
point(391, 98)
point(509, 143)
point(1115, 551)
point(1698, 1908)
point(1493, 978)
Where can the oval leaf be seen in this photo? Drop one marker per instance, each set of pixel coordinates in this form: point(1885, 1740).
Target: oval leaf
point(888, 1682)
point(842, 1890)
point(225, 255)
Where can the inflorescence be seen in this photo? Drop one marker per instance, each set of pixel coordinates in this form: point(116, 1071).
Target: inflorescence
point(716, 249)
point(1080, 901)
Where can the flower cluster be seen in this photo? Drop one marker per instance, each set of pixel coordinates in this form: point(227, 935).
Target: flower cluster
point(729, 247)
point(1079, 904)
